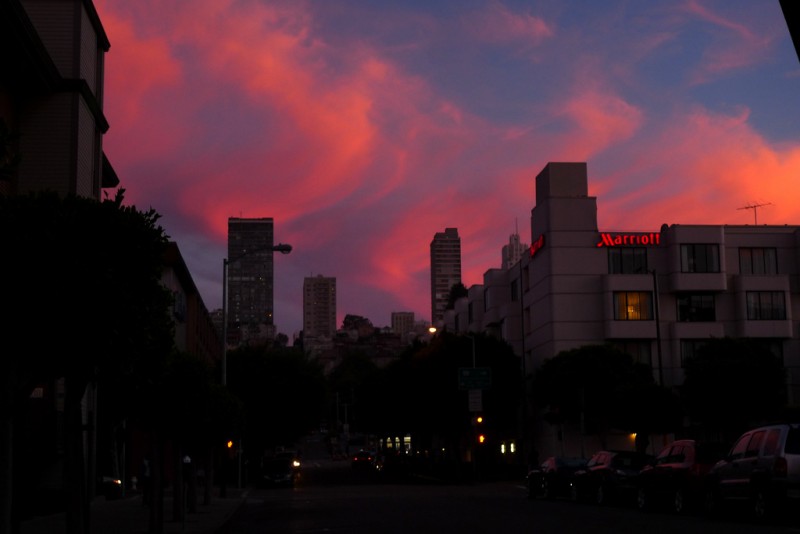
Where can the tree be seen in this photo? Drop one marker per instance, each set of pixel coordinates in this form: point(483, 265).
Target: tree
point(89, 273)
point(733, 384)
point(422, 395)
point(458, 291)
point(282, 393)
point(606, 389)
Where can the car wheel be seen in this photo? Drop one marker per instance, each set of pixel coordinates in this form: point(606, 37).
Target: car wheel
point(678, 501)
point(642, 502)
point(600, 496)
point(574, 495)
point(547, 491)
point(760, 504)
point(711, 501)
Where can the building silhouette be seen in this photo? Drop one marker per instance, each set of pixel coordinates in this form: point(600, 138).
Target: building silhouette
point(250, 290)
point(513, 252)
point(319, 310)
point(403, 325)
point(657, 295)
point(445, 270)
point(51, 99)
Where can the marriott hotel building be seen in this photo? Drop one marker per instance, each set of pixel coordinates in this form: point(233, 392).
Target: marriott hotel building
point(658, 295)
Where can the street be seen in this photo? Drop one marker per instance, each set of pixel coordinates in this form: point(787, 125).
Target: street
point(331, 497)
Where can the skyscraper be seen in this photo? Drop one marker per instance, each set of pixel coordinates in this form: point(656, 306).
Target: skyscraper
point(513, 252)
point(402, 322)
point(319, 308)
point(250, 279)
point(445, 270)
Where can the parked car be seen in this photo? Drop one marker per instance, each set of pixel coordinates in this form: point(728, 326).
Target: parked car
point(280, 469)
point(111, 488)
point(761, 469)
point(677, 478)
point(553, 478)
point(609, 476)
point(364, 459)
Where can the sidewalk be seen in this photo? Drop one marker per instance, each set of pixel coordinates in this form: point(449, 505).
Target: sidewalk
point(128, 516)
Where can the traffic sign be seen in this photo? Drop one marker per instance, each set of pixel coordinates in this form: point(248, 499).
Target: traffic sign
point(474, 377)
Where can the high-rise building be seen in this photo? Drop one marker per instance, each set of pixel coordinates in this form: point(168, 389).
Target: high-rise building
point(402, 323)
point(514, 251)
point(445, 270)
point(250, 280)
point(319, 308)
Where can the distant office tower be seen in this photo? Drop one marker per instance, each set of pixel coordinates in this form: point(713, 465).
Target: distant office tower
point(445, 270)
point(250, 279)
point(319, 307)
point(514, 251)
point(402, 323)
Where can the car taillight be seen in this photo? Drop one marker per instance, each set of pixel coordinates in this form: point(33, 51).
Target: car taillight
point(780, 468)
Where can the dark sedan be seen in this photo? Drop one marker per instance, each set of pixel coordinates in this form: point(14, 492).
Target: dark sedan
point(610, 476)
point(282, 469)
point(677, 479)
point(553, 478)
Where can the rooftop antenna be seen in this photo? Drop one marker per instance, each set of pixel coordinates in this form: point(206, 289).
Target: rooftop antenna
point(755, 207)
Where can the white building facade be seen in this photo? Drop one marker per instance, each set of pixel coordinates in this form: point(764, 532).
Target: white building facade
point(658, 295)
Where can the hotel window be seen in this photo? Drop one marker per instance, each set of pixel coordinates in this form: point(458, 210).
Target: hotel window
point(514, 290)
point(633, 306)
point(627, 260)
point(766, 306)
point(696, 307)
point(758, 261)
point(699, 258)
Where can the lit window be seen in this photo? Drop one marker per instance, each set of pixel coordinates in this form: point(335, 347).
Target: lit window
point(633, 306)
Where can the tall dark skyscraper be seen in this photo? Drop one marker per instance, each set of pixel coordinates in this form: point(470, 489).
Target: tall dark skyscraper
point(445, 270)
point(250, 279)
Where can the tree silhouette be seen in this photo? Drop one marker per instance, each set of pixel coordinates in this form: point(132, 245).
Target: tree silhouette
point(732, 384)
point(87, 273)
point(606, 388)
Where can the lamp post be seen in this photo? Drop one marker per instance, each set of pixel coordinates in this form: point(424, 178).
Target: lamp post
point(280, 247)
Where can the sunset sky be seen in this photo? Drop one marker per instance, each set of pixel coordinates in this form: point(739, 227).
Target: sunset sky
point(365, 127)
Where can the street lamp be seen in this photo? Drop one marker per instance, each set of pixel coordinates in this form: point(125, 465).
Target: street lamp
point(280, 247)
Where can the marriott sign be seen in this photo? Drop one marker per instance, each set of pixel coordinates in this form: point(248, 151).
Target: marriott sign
point(626, 240)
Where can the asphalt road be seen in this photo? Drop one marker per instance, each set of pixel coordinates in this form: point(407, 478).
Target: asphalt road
point(331, 498)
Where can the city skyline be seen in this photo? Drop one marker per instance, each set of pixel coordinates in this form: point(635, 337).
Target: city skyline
point(364, 128)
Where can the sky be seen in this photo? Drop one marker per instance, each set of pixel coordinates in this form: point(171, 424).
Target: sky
point(363, 127)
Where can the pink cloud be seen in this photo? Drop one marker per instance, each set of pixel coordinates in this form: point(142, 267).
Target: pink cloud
point(498, 24)
point(735, 45)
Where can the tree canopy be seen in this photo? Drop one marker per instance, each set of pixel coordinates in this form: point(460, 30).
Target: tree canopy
point(731, 384)
point(607, 388)
point(282, 393)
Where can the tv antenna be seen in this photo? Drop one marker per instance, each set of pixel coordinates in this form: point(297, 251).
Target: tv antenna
point(755, 207)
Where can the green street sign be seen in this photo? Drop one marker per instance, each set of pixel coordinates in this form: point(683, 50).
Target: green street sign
point(474, 377)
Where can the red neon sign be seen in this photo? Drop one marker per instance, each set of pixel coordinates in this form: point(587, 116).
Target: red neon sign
point(537, 245)
point(622, 240)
